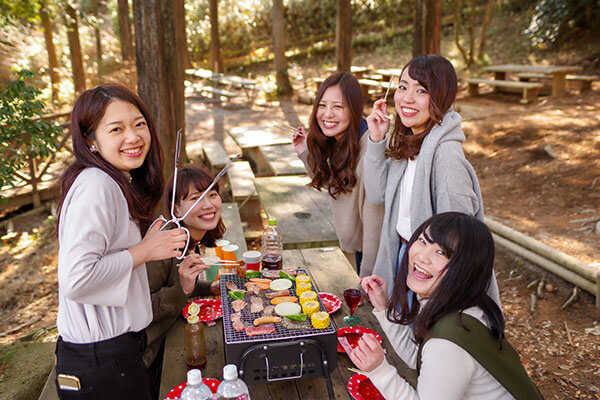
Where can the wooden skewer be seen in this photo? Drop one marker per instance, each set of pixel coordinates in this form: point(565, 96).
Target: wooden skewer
point(386, 93)
point(357, 371)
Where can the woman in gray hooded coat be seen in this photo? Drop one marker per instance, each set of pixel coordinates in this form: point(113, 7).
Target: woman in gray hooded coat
point(419, 169)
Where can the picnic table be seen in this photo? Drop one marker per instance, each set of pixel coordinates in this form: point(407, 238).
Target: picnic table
point(251, 138)
point(304, 215)
point(387, 73)
point(331, 272)
point(557, 72)
point(355, 70)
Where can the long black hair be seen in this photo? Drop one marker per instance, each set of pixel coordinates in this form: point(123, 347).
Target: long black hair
point(469, 245)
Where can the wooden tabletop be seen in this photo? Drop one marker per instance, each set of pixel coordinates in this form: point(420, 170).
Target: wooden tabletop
point(331, 272)
point(355, 69)
point(387, 73)
point(303, 213)
point(249, 137)
point(543, 69)
point(282, 159)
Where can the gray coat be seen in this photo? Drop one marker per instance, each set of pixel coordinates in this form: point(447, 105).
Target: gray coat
point(444, 181)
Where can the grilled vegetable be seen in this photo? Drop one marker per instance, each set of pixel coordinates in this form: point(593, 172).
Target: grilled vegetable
point(284, 299)
point(285, 275)
point(236, 295)
point(298, 317)
point(252, 274)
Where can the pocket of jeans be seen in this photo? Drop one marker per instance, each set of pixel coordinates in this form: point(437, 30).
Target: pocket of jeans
point(83, 393)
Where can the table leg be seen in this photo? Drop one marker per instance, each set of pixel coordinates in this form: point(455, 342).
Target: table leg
point(559, 81)
point(499, 76)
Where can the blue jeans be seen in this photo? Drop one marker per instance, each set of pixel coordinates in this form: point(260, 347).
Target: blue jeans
point(358, 259)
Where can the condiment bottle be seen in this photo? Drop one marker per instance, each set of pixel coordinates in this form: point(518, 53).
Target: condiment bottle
point(232, 387)
point(195, 343)
point(272, 246)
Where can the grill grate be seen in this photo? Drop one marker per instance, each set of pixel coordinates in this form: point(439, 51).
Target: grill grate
point(233, 337)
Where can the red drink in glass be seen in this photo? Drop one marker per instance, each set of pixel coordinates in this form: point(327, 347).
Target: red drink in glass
point(352, 298)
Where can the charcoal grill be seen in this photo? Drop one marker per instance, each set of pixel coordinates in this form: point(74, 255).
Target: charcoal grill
point(283, 355)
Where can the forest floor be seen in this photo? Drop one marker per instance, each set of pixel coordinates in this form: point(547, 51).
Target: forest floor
point(544, 196)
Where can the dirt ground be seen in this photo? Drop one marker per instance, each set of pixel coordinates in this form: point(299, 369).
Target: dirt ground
point(539, 168)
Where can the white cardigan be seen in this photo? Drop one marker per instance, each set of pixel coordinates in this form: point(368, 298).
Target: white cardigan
point(448, 372)
point(100, 295)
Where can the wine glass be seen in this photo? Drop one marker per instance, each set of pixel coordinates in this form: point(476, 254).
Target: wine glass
point(352, 297)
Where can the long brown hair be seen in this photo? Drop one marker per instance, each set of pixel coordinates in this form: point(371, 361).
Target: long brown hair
point(438, 77)
point(200, 179)
point(145, 189)
point(333, 161)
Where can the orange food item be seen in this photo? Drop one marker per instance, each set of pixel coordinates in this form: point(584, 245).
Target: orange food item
point(261, 280)
point(262, 286)
point(284, 299)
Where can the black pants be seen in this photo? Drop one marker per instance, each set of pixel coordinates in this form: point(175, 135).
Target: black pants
point(111, 369)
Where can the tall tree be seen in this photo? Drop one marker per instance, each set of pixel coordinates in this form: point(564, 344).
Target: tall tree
point(181, 34)
point(418, 47)
point(72, 23)
point(282, 77)
point(96, 21)
point(127, 51)
point(487, 17)
point(431, 34)
point(343, 36)
point(216, 62)
point(160, 71)
point(50, 49)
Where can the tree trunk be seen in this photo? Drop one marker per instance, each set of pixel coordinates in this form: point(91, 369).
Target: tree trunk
point(284, 86)
point(96, 24)
point(418, 46)
point(160, 71)
point(432, 26)
point(181, 34)
point(489, 8)
point(216, 61)
point(457, 26)
point(343, 36)
point(52, 60)
point(127, 51)
point(72, 23)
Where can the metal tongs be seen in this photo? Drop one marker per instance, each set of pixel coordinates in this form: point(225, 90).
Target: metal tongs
point(175, 221)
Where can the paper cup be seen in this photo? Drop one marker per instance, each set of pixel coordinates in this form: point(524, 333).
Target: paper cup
point(212, 273)
point(230, 252)
point(219, 249)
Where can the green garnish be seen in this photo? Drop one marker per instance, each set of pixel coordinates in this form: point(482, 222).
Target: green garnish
point(252, 274)
point(235, 295)
point(298, 317)
point(285, 275)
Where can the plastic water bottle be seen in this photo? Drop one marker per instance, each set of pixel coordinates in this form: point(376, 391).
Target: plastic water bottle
point(272, 246)
point(195, 389)
point(232, 387)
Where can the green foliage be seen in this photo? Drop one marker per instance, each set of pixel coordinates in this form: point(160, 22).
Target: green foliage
point(554, 20)
point(25, 10)
point(247, 25)
point(22, 133)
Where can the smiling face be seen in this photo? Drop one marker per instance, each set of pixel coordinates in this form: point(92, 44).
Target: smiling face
point(412, 103)
point(122, 137)
point(333, 116)
point(205, 216)
point(426, 265)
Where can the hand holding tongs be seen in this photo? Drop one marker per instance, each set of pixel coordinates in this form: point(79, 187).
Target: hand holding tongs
point(175, 220)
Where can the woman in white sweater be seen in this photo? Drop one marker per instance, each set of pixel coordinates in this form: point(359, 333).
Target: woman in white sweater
point(109, 195)
point(457, 343)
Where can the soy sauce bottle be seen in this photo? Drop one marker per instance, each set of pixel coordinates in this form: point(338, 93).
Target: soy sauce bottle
point(272, 246)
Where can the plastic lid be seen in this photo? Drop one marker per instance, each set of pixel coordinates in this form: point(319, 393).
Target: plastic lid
point(230, 372)
point(193, 319)
point(222, 242)
point(194, 377)
point(251, 256)
point(272, 221)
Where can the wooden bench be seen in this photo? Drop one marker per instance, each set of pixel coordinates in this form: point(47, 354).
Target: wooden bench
point(214, 155)
point(243, 190)
point(250, 138)
point(584, 81)
point(282, 159)
point(530, 89)
point(202, 92)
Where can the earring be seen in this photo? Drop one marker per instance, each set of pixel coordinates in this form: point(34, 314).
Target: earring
point(93, 148)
